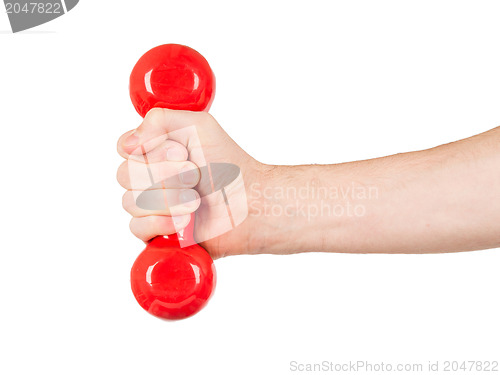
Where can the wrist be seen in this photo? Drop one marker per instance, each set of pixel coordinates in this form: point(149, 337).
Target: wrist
point(293, 209)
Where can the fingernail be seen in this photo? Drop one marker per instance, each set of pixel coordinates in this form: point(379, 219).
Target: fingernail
point(188, 175)
point(131, 140)
point(187, 196)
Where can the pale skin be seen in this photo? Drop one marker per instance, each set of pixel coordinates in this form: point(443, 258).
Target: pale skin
point(444, 199)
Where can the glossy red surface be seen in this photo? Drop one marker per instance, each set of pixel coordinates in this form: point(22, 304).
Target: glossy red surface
point(171, 282)
point(168, 280)
point(172, 76)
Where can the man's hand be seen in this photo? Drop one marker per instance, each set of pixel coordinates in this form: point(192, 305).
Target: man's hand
point(175, 162)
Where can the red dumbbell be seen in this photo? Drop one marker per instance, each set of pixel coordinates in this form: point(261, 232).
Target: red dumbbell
point(173, 278)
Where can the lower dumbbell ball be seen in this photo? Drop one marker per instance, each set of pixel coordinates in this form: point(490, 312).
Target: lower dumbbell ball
point(171, 282)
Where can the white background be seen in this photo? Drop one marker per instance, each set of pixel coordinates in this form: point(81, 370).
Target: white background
point(297, 82)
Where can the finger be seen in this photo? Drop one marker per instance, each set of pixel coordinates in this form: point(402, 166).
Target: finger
point(125, 149)
point(148, 227)
point(167, 151)
point(157, 123)
point(119, 146)
point(169, 202)
point(134, 175)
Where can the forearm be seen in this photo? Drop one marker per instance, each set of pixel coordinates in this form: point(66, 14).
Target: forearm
point(443, 199)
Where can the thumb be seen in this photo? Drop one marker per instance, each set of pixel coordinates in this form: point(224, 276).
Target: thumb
point(158, 125)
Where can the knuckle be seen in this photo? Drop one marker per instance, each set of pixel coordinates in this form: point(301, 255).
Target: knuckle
point(133, 227)
point(119, 145)
point(155, 116)
point(204, 117)
point(128, 201)
point(122, 173)
point(209, 117)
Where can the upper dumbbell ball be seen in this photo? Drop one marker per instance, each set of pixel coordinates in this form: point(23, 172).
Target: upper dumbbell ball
point(172, 76)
